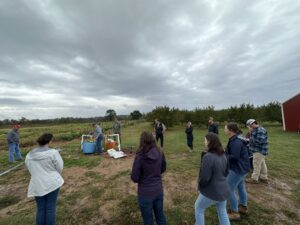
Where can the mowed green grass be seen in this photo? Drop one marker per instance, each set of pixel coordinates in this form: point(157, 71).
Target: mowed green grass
point(179, 182)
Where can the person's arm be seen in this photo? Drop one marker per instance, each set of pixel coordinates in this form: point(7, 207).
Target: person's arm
point(58, 161)
point(164, 163)
point(136, 170)
point(206, 171)
point(235, 150)
point(216, 129)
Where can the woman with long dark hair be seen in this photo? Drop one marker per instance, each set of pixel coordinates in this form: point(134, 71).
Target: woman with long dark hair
point(45, 166)
point(148, 165)
point(212, 184)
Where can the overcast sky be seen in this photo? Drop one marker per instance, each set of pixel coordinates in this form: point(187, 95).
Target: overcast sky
point(79, 58)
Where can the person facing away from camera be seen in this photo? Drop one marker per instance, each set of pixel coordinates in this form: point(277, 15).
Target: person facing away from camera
point(212, 184)
point(45, 166)
point(148, 165)
point(239, 167)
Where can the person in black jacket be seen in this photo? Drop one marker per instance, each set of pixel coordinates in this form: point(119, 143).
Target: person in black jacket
point(189, 135)
point(159, 129)
point(238, 157)
point(212, 184)
point(212, 126)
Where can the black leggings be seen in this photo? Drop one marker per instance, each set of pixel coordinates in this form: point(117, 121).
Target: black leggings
point(161, 137)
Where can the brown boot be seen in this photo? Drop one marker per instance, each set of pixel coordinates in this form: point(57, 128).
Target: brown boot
point(234, 216)
point(243, 209)
point(265, 181)
point(251, 181)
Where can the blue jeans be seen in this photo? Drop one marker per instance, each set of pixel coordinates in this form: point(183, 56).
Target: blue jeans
point(99, 144)
point(237, 182)
point(203, 202)
point(14, 148)
point(46, 208)
point(148, 205)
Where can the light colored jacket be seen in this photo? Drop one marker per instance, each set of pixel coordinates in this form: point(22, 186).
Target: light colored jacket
point(97, 132)
point(45, 166)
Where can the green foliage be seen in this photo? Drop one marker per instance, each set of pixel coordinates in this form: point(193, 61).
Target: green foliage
point(110, 114)
point(136, 115)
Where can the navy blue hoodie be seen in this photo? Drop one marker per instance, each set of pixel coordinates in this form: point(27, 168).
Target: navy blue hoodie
point(237, 154)
point(147, 168)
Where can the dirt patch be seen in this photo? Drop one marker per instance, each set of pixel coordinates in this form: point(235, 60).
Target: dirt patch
point(276, 194)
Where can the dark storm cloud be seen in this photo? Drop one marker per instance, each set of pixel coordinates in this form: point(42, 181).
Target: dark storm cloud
point(79, 58)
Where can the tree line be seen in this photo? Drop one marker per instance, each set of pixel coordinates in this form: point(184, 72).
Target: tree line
point(173, 116)
point(270, 112)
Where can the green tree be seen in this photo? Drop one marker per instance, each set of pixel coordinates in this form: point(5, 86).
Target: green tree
point(136, 115)
point(110, 114)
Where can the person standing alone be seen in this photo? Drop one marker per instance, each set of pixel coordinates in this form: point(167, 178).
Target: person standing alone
point(13, 140)
point(159, 128)
point(189, 135)
point(213, 127)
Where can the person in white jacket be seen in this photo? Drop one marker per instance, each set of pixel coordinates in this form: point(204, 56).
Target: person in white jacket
point(45, 166)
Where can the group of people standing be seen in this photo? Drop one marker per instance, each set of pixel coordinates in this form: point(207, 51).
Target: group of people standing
point(221, 176)
point(222, 173)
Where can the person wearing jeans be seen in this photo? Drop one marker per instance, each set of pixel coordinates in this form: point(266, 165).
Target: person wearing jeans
point(212, 184)
point(202, 203)
point(146, 205)
point(149, 163)
point(45, 166)
point(46, 208)
point(237, 154)
point(97, 134)
point(13, 140)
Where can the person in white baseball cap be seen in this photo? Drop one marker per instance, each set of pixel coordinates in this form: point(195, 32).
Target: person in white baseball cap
point(259, 146)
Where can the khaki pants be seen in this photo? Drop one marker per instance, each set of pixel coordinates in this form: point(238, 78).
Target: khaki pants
point(259, 167)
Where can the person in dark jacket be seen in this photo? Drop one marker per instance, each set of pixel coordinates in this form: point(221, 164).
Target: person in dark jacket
point(212, 185)
point(148, 165)
point(189, 135)
point(159, 129)
point(212, 126)
point(13, 141)
point(239, 166)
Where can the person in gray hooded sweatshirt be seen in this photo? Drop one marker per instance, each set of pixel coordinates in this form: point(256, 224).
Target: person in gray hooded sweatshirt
point(45, 166)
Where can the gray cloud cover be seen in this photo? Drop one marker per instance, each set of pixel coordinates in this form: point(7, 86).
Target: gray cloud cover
point(80, 58)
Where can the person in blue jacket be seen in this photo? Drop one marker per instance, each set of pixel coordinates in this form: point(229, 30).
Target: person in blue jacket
point(148, 165)
point(239, 166)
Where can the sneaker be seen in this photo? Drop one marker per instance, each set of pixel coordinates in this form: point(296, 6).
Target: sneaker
point(234, 216)
point(251, 181)
point(243, 209)
point(266, 181)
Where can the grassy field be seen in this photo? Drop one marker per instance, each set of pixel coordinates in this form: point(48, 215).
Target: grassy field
point(98, 190)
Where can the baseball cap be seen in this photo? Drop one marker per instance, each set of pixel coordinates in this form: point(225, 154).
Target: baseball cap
point(249, 122)
point(16, 126)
